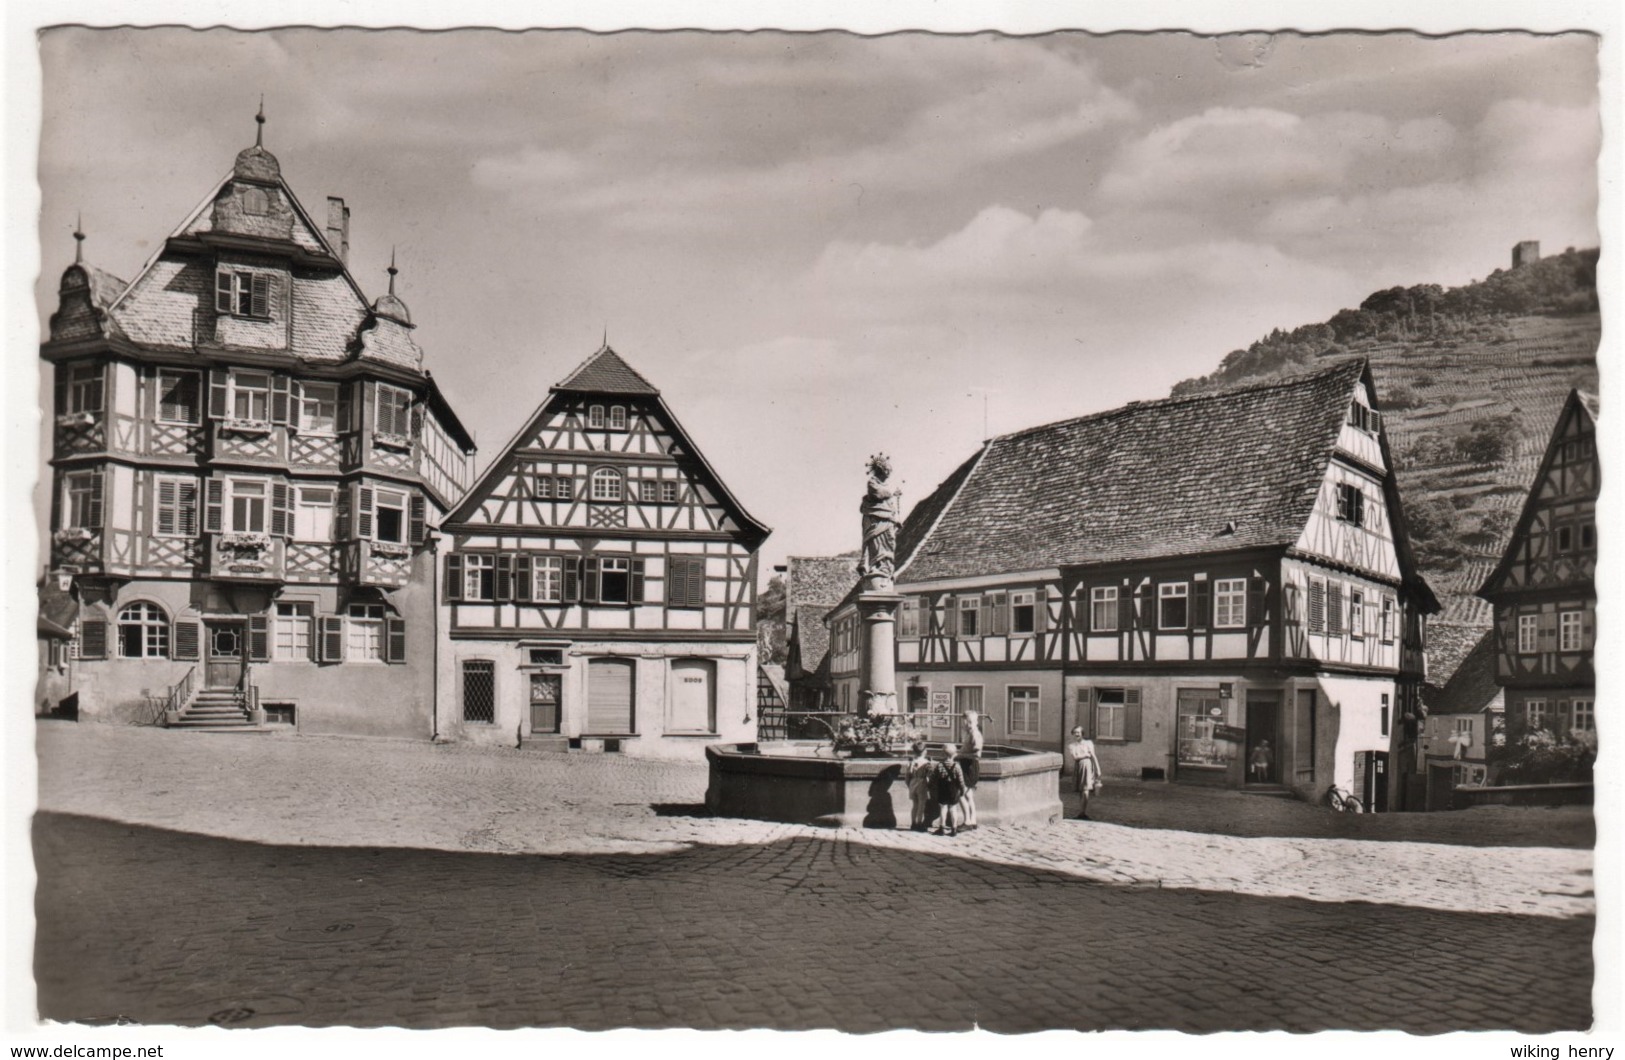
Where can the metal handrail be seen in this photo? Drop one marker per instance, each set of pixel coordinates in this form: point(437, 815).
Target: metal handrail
point(180, 695)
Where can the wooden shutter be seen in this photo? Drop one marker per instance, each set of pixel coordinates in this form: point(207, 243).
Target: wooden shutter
point(1255, 601)
point(1084, 714)
point(1041, 609)
point(1201, 604)
point(281, 399)
point(696, 582)
point(635, 592)
point(222, 291)
point(1131, 715)
point(1317, 606)
point(168, 503)
point(341, 514)
point(589, 579)
point(610, 688)
point(93, 507)
point(986, 620)
point(188, 636)
point(213, 505)
point(259, 638)
point(524, 578)
point(504, 579)
point(1334, 607)
point(1125, 609)
point(260, 296)
point(1376, 421)
point(332, 638)
point(281, 509)
point(62, 371)
point(219, 393)
point(363, 512)
point(346, 407)
point(93, 638)
point(572, 579)
point(454, 576)
point(416, 518)
point(394, 639)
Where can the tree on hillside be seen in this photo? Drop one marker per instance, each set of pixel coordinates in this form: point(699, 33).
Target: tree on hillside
point(1488, 441)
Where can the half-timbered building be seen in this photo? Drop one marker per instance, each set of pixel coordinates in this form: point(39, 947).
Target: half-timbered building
point(246, 462)
point(1543, 590)
point(1186, 579)
point(600, 583)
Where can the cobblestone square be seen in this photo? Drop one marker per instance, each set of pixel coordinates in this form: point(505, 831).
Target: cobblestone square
point(189, 879)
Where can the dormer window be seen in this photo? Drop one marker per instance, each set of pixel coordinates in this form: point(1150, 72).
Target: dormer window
point(617, 417)
point(256, 201)
point(595, 416)
point(241, 293)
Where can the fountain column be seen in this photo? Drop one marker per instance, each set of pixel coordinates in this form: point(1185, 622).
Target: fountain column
point(877, 599)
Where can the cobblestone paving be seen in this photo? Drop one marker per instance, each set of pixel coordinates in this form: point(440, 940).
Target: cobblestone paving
point(326, 791)
point(372, 893)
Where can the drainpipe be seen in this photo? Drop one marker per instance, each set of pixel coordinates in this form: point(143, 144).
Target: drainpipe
point(434, 626)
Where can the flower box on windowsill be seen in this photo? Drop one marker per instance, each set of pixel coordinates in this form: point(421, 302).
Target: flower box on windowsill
point(246, 426)
point(73, 533)
point(390, 550)
point(245, 542)
point(76, 419)
point(392, 441)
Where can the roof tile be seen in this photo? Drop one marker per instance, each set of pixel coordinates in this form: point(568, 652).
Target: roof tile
point(606, 373)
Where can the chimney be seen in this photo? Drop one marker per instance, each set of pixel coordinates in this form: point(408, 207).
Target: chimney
point(338, 227)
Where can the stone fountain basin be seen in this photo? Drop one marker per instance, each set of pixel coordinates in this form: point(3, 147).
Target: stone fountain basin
point(805, 782)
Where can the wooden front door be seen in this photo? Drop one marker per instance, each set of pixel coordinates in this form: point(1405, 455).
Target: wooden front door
point(693, 696)
point(223, 662)
point(545, 693)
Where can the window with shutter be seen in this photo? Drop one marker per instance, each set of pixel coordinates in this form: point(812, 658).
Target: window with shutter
point(281, 509)
point(93, 638)
point(177, 397)
point(1334, 607)
point(166, 507)
point(332, 646)
point(1131, 715)
point(1317, 605)
point(504, 577)
point(259, 638)
point(685, 581)
point(188, 636)
point(363, 512)
point(454, 576)
point(417, 518)
point(394, 639)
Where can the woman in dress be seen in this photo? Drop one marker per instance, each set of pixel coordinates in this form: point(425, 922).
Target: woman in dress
point(919, 786)
point(1085, 769)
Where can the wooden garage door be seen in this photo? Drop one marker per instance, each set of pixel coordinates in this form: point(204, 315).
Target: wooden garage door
point(693, 696)
point(609, 696)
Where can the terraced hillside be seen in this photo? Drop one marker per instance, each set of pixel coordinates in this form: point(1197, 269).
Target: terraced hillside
point(1470, 398)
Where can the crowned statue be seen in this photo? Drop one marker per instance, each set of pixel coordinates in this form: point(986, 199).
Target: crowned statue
point(880, 522)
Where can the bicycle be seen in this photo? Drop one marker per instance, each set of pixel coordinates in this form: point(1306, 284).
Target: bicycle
point(1343, 801)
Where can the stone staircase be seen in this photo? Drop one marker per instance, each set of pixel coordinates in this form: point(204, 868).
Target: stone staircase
point(215, 709)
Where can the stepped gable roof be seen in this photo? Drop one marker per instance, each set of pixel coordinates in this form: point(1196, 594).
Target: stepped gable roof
point(1471, 687)
point(810, 636)
point(605, 372)
point(1213, 472)
point(819, 579)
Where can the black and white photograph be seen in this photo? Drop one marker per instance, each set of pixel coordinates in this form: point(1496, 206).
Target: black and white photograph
point(707, 522)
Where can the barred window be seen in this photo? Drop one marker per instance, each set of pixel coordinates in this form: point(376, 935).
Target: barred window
point(479, 691)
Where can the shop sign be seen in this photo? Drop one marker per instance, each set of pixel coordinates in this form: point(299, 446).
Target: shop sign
point(1234, 733)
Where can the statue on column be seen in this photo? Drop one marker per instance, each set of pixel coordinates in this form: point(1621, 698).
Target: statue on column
point(880, 509)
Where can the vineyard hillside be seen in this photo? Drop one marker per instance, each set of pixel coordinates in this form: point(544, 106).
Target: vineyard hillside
point(1469, 401)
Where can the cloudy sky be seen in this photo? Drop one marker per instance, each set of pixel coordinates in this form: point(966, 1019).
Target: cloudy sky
point(821, 246)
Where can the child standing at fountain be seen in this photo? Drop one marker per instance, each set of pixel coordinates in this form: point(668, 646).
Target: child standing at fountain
point(919, 786)
point(970, 763)
point(950, 783)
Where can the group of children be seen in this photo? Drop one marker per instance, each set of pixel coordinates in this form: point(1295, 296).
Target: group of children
point(951, 782)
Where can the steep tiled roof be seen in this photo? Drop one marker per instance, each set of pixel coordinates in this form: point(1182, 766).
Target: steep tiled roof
point(1471, 686)
point(810, 636)
point(1449, 643)
point(606, 373)
point(1157, 478)
point(104, 286)
point(819, 579)
point(927, 512)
